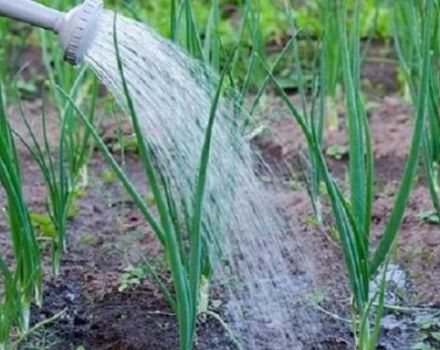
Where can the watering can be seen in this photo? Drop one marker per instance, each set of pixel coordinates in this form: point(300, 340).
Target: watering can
point(76, 29)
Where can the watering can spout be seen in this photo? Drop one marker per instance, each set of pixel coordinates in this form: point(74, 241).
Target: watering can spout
point(76, 29)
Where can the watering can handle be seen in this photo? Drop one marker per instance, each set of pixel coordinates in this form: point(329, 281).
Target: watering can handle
point(32, 13)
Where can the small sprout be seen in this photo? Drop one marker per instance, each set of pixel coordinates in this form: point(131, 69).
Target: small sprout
point(337, 152)
point(428, 322)
point(44, 225)
point(334, 234)
point(40, 219)
point(295, 185)
point(317, 297)
point(429, 333)
point(371, 105)
point(87, 240)
point(126, 143)
point(311, 220)
point(436, 335)
point(79, 192)
point(48, 231)
point(132, 276)
point(151, 201)
point(27, 87)
point(108, 177)
point(430, 218)
point(73, 210)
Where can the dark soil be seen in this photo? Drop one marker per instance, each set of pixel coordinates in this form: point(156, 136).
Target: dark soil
point(108, 231)
point(139, 319)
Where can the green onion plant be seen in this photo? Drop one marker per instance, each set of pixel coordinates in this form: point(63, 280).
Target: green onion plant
point(408, 20)
point(21, 270)
point(61, 166)
point(352, 213)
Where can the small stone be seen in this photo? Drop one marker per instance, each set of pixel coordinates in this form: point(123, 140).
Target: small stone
point(390, 322)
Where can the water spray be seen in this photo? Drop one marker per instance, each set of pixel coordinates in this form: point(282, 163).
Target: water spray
point(76, 29)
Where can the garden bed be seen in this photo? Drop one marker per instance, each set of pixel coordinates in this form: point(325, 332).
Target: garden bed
point(104, 311)
point(107, 231)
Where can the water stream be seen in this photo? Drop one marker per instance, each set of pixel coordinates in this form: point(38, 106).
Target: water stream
point(261, 269)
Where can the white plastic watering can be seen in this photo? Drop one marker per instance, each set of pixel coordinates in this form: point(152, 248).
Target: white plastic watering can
point(76, 29)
